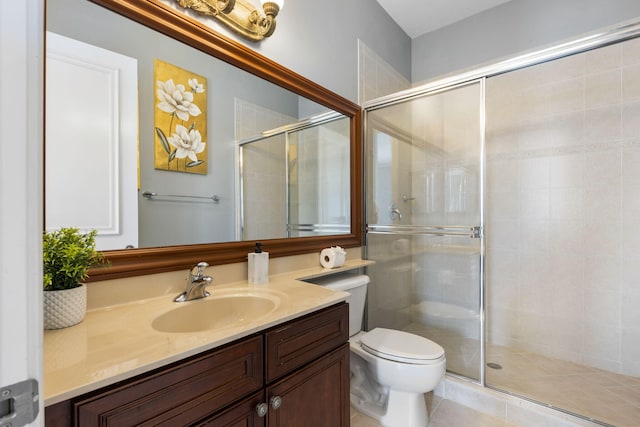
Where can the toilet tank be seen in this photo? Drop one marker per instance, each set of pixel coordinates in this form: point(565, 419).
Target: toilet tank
point(356, 285)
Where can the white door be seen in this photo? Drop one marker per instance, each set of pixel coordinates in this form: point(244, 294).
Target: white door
point(91, 134)
point(21, 101)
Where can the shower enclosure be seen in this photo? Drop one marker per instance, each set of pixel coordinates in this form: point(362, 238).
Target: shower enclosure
point(530, 167)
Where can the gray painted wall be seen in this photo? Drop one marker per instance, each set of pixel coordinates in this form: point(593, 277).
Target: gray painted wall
point(319, 40)
point(511, 28)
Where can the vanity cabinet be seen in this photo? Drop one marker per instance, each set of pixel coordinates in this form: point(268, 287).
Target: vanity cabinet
point(297, 371)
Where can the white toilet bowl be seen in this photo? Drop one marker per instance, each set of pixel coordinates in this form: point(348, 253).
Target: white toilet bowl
point(390, 370)
point(390, 373)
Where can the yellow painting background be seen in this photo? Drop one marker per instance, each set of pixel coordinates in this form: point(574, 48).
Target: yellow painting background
point(167, 122)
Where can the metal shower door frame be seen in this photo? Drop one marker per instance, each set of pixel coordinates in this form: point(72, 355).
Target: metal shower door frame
point(475, 231)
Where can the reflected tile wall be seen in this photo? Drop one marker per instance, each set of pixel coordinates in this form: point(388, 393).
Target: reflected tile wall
point(264, 171)
point(563, 198)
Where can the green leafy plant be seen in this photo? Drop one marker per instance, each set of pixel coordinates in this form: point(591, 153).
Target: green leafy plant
point(67, 257)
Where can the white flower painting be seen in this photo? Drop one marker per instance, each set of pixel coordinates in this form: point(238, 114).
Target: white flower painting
point(180, 120)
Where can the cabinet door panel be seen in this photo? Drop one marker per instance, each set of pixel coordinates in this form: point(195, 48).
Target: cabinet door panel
point(180, 395)
point(242, 414)
point(296, 343)
point(315, 396)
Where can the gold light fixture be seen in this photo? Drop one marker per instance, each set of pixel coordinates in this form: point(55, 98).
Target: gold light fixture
point(240, 15)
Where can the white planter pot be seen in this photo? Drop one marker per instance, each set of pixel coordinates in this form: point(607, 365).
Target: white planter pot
point(64, 308)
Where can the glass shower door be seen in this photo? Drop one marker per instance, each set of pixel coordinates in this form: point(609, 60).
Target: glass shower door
point(424, 216)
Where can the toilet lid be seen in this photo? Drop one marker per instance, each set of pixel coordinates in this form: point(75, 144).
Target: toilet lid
point(401, 346)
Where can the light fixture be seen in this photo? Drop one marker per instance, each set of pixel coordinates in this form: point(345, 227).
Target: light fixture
point(240, 15)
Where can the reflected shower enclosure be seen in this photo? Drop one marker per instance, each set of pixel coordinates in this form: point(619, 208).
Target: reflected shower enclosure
point(295, 180)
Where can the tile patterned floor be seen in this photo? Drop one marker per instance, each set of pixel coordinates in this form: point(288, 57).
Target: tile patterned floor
point(442, 413)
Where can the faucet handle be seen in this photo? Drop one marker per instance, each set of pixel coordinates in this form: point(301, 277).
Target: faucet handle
point(200, 266)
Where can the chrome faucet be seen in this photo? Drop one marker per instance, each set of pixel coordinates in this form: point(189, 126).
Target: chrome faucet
point(196, 284)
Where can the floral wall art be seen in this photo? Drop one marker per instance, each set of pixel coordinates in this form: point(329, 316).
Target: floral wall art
point(180, 120)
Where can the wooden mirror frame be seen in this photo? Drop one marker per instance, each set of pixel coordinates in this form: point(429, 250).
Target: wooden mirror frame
point(134, 262)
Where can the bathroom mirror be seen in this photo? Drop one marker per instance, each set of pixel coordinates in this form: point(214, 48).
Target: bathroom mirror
point(231, 67)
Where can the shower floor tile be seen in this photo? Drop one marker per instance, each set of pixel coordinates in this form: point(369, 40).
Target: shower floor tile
point(600, 395)
point(603, 396)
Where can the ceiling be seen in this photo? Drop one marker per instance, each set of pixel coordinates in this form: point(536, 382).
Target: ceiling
point(417, 17)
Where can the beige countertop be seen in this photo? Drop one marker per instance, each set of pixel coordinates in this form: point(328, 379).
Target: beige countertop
point(118, 342)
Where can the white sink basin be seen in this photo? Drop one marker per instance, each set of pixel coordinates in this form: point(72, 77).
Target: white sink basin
point(222, 309)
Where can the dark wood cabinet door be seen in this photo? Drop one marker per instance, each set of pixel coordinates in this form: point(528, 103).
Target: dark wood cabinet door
point(296, 343)
point(315, 396)
point(242, 414)
point(180, 395)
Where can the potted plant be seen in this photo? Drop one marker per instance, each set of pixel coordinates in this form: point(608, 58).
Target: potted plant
point(67, 256)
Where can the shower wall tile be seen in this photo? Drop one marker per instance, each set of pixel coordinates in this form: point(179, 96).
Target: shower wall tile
point(630, 122)
point(534, 238)
point(534, 296)
point(603, 89)
point(630, 242)
point(630, 272)
point(631, 83)
point(567, 171)
point(503, 205)
point(534, 173)
point(567, 96)
point(602, 307)
point(631, 167)
point(602, 343)
point(566, 336)
point(533, 269)
point(602, 124)
point(502, 235)
point(631, 52)
point(631, 350)
point(603, 238)
point(570, 67)
point(631, 334)
point(566, 204)
point(534, 204)
point(603, 168)
point(567, 302)
point(604, 202)
point(603, 59)
point(502, 325)
point(602, 271)
point(503, 267)
point(500, 176)
point(566, 129)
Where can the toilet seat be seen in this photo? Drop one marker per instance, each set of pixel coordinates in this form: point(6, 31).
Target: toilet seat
point(401, 347)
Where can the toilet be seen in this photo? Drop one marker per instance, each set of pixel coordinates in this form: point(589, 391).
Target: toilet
point(390, 370)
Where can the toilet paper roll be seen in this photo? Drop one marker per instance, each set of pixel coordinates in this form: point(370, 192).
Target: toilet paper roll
point(332, 257)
